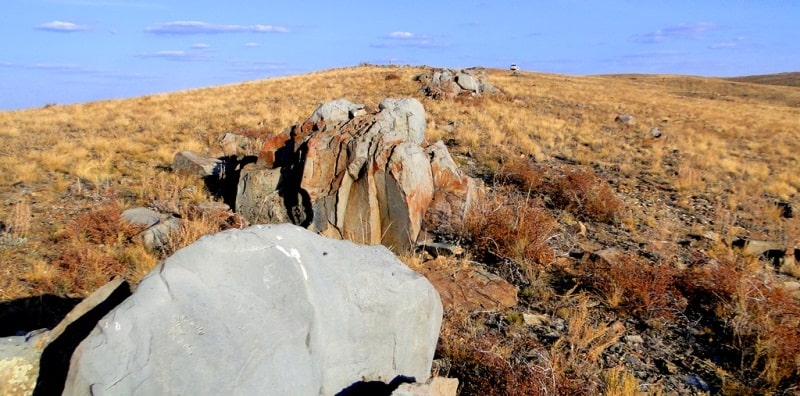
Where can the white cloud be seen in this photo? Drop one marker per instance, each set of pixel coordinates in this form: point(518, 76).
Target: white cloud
point(401, 35)
point(200, 46)
point(51, 67)
point(174, 55)
point(197, 27)
point(682, 31)
point(252, 44)
point(408, 40)
point(739, 42)
point(61, 27)
point(263, 68)
point(725, 45)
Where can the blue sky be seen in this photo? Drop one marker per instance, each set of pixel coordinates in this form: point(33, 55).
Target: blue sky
point(67, 51)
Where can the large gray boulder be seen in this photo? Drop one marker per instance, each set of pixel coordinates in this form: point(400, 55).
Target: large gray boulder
point(467, 82)
point(272, 309)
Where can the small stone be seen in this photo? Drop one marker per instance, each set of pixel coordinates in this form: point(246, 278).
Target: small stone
point(158, 230)
point(436, 249)
point(471, 289)
point(195, 164)
point(535, 319)
point(141, 217)
point(655, 132)
point(436, 386)
point(625, 119)
point(213, 207)
point(635, 339)
point(695, 381)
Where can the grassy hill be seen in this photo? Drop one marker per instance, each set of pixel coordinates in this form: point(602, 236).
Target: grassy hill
point(791, 79)
point(569, 184)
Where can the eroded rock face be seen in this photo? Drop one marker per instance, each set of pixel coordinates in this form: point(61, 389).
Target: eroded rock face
point(454, 193)
point(368, 178)
point(470, 288)
point(274, 309)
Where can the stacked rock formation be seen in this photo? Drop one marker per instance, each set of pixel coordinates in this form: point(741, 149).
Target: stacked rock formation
point(449, 84)
point(358, 172)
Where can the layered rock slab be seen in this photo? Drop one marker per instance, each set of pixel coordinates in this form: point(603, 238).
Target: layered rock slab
point(369, 178)
point(271, 309)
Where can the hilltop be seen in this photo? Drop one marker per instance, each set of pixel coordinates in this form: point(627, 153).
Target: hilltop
point(791, 79)
point(633, 242)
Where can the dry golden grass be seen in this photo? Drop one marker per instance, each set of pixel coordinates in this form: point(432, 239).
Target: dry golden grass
point(622, 383)
point(67, 171)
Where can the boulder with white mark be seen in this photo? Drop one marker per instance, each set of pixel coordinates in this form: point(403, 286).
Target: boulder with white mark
point(272, 309)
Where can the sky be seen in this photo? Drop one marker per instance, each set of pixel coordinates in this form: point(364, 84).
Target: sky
point(69, 51)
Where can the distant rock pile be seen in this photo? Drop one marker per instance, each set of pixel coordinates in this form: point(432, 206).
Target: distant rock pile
point(356, 172)
point(449, 84)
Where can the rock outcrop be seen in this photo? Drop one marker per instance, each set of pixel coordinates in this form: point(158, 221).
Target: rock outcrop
point(449, 84)
point(269, 309)
point(469, 288)
point(360, 173)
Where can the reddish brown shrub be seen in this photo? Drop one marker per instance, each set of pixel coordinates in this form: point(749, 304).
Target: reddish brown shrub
point(578, 191)
point(87, 267)
point(487, 362)
point(584, 193)
point(511, 226)
point(525, 176)
point(637, 287)
point(102, 225)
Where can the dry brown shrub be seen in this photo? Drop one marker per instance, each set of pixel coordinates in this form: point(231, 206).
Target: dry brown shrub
point(576, 190)
point(637, 287)
point(755, 315)
point(583, 193)
point(87, 267)
point(488, 363)
point(522, 174)
point(512, 226)
point(102, 225)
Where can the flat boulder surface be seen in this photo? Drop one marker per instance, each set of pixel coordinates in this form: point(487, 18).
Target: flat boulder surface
point(272, 309)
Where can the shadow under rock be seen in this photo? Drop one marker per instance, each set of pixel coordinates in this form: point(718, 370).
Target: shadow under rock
point(225, 184)
point(54, 363)
point(23, 315)
point(375, 388)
